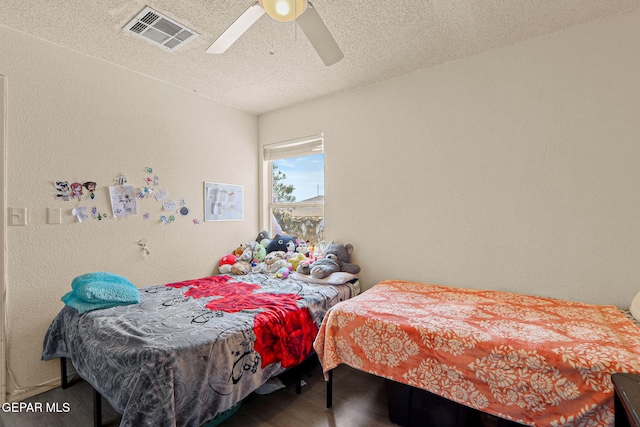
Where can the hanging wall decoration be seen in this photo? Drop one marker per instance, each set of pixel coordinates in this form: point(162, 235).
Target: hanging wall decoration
point(80, 212)
point(63, 190)
point(123, 197)
point(123, 200)
point(97, 214)
point(91, 188)
point(222, 202)
point(184, 210)
point(76, 191)
point(151, 183)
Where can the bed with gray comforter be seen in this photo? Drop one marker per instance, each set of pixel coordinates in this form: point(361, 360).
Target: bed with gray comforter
point(192, 349)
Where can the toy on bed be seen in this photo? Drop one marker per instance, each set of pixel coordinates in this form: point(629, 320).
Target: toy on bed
point(303, 248)
point(296, 259)
point(336, 257)
point(259, 253)
point(225, 264)
point(264, 237)
point(273, 262)
point(283, 272)
point(243, 260)
point(238, 262)
point(286, 244)
point(282, 255)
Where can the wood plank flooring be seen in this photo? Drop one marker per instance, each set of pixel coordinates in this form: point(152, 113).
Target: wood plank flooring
point(359, 400)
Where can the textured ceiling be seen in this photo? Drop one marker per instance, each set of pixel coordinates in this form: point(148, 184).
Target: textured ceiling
point(273, 65)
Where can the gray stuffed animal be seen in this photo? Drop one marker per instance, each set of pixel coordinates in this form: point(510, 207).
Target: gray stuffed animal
point(336, 257)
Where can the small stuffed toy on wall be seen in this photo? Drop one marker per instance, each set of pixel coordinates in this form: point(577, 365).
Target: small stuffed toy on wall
point(336, 257)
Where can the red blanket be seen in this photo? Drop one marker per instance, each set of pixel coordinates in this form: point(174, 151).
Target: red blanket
point(284, 332)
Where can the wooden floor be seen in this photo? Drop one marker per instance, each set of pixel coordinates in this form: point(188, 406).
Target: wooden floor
point(359, 399)
point(79, 398)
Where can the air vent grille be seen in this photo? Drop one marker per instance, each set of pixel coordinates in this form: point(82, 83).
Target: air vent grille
point(138, 27)
point(149, 17)
point(160, 30)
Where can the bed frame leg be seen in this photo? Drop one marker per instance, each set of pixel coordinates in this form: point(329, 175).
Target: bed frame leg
point(97, 408)
point(64, 383)
point(298, 381)
point(330, 390)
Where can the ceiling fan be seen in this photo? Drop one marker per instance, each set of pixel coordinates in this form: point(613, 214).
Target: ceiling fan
point(302, 11)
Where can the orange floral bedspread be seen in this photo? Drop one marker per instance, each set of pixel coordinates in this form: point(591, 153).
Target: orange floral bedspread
point(537, 361)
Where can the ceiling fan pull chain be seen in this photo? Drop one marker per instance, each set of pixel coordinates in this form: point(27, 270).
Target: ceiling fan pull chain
point(295, 24)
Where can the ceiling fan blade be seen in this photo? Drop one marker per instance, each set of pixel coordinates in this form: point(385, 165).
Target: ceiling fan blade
point(319, 36)
point(235, 30)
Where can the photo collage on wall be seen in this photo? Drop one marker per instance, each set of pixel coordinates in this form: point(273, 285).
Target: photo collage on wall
point(124, 199)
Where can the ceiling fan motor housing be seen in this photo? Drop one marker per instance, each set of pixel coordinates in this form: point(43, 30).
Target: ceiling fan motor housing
point(284, 10)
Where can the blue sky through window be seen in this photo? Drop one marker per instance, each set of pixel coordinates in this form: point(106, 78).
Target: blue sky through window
point(305, 173)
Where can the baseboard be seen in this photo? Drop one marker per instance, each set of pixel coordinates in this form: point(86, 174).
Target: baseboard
point(20, 395)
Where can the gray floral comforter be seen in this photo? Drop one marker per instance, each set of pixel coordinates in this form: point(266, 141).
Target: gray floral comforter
point(179, 356)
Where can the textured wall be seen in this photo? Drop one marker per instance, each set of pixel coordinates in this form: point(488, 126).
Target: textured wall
point(71, 117)
point(516, 169)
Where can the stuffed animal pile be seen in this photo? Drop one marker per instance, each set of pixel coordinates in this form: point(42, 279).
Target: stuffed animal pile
point(281, 255)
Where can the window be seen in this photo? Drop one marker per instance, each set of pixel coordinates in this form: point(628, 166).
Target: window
point(295, 175)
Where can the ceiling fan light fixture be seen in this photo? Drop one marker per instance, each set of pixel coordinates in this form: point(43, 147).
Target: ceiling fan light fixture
point(284, 10)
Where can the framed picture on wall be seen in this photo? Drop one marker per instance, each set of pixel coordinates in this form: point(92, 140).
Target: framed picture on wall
point(222, 202)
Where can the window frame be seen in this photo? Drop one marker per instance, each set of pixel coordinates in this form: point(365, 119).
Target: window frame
point(299, 147)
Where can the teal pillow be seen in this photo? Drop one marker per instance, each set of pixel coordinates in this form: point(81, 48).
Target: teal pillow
point(82, 306)
point(101, 286)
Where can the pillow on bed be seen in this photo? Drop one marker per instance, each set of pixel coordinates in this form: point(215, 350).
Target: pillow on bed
point(72, 300)
point(635, 307)
point(337, 278)
point(100, 286)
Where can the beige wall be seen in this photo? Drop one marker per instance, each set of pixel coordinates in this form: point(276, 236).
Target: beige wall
point(72, 117)
point(517, 169)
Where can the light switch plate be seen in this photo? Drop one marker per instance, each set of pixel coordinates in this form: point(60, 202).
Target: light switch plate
point(17, 216)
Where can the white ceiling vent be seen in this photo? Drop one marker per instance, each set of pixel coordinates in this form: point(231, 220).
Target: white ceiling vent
point(160, 30)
